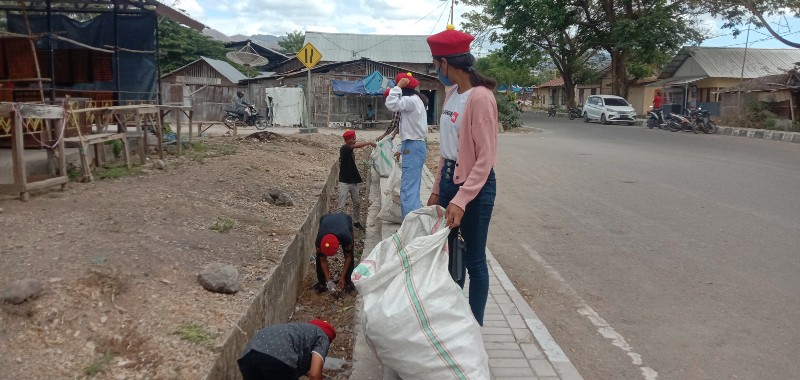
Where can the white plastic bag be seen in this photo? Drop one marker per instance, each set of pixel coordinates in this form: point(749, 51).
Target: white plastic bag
point(382, 157)
point(414, 317)
point(391, 209)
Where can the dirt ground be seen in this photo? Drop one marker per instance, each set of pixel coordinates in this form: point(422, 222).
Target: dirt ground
point(119, 259)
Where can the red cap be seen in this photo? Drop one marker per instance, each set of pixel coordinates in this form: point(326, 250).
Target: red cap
point(348, 134)
point(329, 245)
point(326, 327)
point(386, 93)
point(412, 82)
point(449, 42)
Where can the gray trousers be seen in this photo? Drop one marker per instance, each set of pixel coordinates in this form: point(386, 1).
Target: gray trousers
point(352, 189)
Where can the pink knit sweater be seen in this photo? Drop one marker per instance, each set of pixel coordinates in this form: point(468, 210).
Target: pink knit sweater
point(477, 146)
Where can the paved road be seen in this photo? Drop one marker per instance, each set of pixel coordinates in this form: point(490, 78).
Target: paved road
point(652, 254)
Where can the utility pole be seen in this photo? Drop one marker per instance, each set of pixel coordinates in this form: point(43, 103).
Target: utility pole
point(741, 77)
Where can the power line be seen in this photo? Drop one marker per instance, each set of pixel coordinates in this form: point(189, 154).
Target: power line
point(440, 19)
point(761, 40)
point(393, 36)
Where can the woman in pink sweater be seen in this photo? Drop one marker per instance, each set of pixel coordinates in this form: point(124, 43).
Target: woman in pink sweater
point(465, 184)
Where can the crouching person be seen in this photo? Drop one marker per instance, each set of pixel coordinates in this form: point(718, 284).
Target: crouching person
point(335, 230)
point(287, 351)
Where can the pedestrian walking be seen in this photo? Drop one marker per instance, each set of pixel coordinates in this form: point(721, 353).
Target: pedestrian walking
point(287, 351)
point(404, 98)
point(465, 182)
point(335, 230)
point(349, 178)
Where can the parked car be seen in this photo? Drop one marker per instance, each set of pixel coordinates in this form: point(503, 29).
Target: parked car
point(608, 109)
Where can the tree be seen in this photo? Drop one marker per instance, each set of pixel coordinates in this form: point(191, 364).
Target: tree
point(499, 66)
point(293, 42)
point(740, 12)
point(534, 28)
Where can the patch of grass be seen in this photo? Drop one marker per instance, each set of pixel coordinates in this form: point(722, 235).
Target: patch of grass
point(201, 151)
point(98, 365)
point(194, 333)
point(222, 225)
point(112, 172)
point(116, 147)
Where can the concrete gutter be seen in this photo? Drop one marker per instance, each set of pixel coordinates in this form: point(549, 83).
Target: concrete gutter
point(275, 301)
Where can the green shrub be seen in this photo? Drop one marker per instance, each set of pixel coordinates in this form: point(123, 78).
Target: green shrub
point(508, 111)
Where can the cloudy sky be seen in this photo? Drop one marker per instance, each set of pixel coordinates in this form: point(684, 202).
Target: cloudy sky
point(422, 17)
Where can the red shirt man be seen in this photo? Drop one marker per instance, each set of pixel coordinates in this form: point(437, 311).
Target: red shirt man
point(657, 101)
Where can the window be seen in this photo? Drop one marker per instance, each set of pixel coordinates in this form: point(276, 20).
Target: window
point(616, 102)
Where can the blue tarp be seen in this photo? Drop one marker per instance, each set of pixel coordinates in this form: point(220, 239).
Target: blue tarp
point(373, 84)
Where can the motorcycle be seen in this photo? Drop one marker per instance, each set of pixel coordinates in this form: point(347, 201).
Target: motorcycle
point(702, 120)
point(680, 123)
point(656, 119)
point(551, 112)
point(576, 112)
point(255, 119)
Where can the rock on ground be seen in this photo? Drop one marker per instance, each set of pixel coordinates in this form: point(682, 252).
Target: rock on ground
point(219, 278)
point(19, 291)
point(159, 164)
point(284, 200)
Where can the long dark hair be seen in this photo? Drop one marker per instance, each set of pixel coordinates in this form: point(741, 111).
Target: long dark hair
point(466, 62)
point(413, 91)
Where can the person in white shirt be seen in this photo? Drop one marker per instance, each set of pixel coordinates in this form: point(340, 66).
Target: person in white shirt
point(404, 98)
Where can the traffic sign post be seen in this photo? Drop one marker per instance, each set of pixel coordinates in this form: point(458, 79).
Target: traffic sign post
point(309, 56)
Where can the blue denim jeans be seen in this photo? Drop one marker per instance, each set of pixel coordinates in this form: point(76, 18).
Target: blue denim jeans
point(412, 174)
point(475, 231)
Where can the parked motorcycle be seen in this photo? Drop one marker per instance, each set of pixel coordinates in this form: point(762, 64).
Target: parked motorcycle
point(680, 123)
point(656, 119)
point(551, 112)
point(255, 119)
point(702, 121)
point(576, 112)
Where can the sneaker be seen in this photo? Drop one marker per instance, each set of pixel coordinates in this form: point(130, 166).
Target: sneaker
point(358, 225)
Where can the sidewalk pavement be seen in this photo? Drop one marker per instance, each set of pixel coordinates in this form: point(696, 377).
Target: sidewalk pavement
point(518, 343)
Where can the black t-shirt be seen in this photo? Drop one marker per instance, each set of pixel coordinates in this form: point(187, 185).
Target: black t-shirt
point(338, 224)
point(348, 171)
point(291, 343)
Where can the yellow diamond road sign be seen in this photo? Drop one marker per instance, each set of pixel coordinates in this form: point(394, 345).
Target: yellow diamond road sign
point(309, 55)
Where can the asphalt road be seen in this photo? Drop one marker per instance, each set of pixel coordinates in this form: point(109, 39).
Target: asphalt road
point(652, 254)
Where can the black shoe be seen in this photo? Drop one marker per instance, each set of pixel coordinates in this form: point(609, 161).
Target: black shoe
point(358, 225)
point(320, 288)
point(349, 288)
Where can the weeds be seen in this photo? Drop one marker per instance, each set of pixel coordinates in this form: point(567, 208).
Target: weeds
point(113, 172)
point(222, 225)
point(194, 333)
point(201, 151)
point(98, 365)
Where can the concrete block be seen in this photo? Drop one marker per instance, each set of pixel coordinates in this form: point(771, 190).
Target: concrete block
point(509, 309)
point(502, 299)
point(505, 354)
point(495, 324)
point(496, 331)
point(493, 317)
point(796, 138)
point(567, 371)
point(543, 368)
point(777, 136)
point(499, 339)
point(526, 372)
point(516, 322)
point(502, 346)
point(532, 351)
point(509, 363)
point(523, 335)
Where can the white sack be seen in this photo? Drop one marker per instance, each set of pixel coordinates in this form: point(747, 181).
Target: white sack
point(391, 209)
point(415, 318)
point(382, 157)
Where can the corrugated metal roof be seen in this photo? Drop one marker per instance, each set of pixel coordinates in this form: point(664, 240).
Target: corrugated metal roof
point(339, 47)
point(677, 81)
point(225, 69)
point(721, 62)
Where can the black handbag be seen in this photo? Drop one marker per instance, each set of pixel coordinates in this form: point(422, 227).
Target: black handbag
point(456, 263)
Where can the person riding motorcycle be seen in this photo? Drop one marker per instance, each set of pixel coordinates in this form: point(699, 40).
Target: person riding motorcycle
point(657, 105)
point(240, 106)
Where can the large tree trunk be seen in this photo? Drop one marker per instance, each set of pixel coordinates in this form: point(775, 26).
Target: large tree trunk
point(569, 85)
point(619, 72)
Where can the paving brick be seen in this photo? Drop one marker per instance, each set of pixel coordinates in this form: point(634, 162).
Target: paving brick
point(502, 298)
point(520, 372)
point(499, 338)
point(523, 335)
point(495, 324)
point(514, 378)
point(496, 289)
point(509, 309)
point(532, 351)
point(542, 368)
point(496, 330)
point(493, 317)
point(567, 371)
point(509, 363)
point(516, 322)
point(505, 354)
point(501, 346)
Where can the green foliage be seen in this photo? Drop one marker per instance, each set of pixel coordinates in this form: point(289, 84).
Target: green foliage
point(222, 225)
point(116, 147)
point(98, 365)
point(114, 172)
point(508, 110)
point(179, 46)
point(293, 42)
point(194, 333)
point(505, 70)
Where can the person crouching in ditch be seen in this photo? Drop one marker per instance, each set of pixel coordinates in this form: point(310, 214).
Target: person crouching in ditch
point(335, 230)
point(287, 351)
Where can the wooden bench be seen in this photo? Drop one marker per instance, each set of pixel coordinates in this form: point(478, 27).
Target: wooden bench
point(83, 143)
point(204, 125)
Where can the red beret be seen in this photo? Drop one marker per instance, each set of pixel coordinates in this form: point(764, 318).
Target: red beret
point(386, 93)
point(348, 134)
point(329, 245)
point(412, 82)
point(449, 42)
point(326, 327)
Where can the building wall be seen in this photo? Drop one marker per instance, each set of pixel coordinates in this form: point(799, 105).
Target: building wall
point(199, 69)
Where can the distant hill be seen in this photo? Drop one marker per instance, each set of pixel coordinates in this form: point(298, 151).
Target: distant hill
point(266, 40)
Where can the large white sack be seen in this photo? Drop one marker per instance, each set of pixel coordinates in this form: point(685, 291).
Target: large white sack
point(391, 209)
point(382, 157)
point(414, 317)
